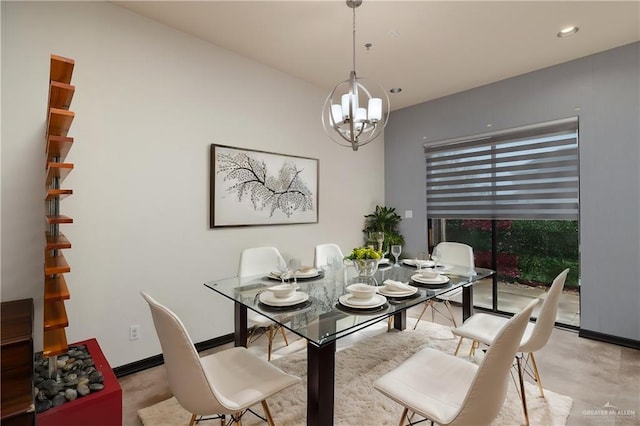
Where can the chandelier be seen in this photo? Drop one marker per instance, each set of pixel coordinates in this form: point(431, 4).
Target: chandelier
point(353, 115)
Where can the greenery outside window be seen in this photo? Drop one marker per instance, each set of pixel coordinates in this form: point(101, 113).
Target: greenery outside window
point(513, 196)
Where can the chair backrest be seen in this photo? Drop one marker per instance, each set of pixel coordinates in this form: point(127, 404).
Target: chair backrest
point(547, 316)
point(258, 260)
point(187, 379)
point(322, 253)
point(488, 389)
point(456, 254)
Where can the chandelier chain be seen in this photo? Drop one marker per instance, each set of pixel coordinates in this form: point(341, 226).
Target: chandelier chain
point(354, 39)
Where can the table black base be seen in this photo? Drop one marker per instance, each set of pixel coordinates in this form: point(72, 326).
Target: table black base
point(320, 386)
point(241, 324)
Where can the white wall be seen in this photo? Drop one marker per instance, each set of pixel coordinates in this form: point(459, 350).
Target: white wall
point(149, 102)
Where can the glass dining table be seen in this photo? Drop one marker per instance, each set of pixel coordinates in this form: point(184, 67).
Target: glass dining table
point(322, 314)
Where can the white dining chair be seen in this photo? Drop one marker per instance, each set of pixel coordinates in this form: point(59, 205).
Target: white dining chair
point(452, 253)
point(323, 253)
point(449, 390)
point(256, 261)
point(483, 328)
point(227, 382)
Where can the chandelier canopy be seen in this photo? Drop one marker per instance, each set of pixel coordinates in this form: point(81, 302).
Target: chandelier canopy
point(354, 115)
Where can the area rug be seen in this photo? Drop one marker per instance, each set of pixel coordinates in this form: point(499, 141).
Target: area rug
point(357, 402)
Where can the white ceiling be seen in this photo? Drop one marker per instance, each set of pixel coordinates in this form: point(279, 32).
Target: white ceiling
point(429, 49)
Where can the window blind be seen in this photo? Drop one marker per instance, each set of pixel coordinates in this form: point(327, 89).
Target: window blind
point(525, 173)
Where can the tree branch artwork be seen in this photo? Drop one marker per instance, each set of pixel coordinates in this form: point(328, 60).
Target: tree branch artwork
point(285, 191)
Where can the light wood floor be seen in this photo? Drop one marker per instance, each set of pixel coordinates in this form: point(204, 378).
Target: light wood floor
point(592, 373)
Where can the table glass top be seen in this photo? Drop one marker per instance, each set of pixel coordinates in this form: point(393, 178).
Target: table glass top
point(323, 313)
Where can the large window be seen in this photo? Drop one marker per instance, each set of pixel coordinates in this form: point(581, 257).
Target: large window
point(513, 196)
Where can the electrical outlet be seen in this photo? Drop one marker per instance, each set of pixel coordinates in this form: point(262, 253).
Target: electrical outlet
point(134, 332)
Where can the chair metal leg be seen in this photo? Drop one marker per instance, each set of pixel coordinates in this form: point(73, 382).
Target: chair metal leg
point(390, 324)
point(271, 334)
point(472, 350)
point(536, 373)
point(451, 316)
point(404, 416)
point(458, 347)
point(284, 336)
point(267, 413)
point(426, 305)
point(193, 420)
point(251, 333)
point(523, 396)
point(236, 418)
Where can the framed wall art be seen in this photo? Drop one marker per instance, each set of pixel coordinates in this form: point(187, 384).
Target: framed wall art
point(250, 188)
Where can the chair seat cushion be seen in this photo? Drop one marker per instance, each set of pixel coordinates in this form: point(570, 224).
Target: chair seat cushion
point(241, 379)
point(255, 319)
point(430, 383)
point(449, 295)
point(483, 328)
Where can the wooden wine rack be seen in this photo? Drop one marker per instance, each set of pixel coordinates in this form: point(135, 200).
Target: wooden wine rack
point(58, 145)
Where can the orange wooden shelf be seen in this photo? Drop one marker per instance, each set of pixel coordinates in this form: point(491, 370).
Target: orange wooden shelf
point(60, 95)
point(58, 147)
point(56, 265)
point(55, 342)
point(61, 69)
point(58, 170)
point(57, 242)
point(55, 315)
point(58, 193)
point(56, 289)
point(59, 121)
point(52, 220)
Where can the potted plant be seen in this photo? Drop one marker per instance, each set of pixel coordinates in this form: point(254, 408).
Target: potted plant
point(384, 219)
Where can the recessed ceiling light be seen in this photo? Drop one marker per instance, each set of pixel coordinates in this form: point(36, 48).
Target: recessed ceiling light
point(569, 31)
point(396, 90)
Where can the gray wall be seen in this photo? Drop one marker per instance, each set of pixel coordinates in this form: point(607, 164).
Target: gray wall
point(603, 90)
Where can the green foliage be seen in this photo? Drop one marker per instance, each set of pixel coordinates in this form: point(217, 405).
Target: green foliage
point(384, 219)
point(478, 239)
point(543, 269)
point(543, 248)
point(360, 253)
point(555, 238)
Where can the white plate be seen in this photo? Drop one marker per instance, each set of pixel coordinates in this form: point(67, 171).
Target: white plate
point(383, 260)
point(312, 273)
point(394, 293)
point(441, 279)
point(269, 299)
point(423, 263)
point(353, 302)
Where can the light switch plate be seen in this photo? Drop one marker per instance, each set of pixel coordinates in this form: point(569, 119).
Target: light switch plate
point(408, 214)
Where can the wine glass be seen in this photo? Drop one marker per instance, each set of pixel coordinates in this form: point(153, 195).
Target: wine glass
point(284, 270)
point(336, 263)
point(436, 256)
point(380, 240)
point(396, 250)
point(420, 260)
point(294, 265)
